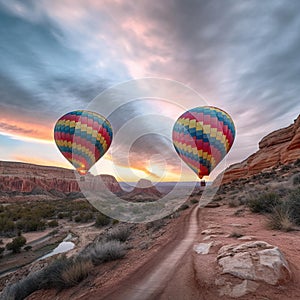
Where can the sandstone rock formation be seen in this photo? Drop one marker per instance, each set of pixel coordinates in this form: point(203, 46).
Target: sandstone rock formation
point(254, 263)
point(144, 191)
point(279, 147)
point(21, 179)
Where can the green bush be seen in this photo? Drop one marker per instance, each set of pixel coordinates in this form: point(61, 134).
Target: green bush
point(102, 220)
point(263, 203)
point(16, 244)
point(6, 225)
point(31, 224)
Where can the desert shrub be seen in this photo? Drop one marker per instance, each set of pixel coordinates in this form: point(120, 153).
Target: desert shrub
point(6, 225)
point(234, 203)
point(16, 244)
point(115, 221)
point(194, 201)
point(53, 223)
point(23, 288)
point(285, 168)
point(236, 235)
point(60, 215)
point(60, 274)
point(183, 207)
point(83, 217)
point(107, 251)
point(280, 218)
point(51, 276)
point(1, 251)
point(263, 203)
point(296, 179)
point(155, 225)
point(30, 224)
point(293, 203)
point(102, 220)
point(27, 248)
point(75, 272)
point(119, 234)
point(297, 162)
point(77, 219)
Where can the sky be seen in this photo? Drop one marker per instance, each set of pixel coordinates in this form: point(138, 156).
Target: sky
point(57, 56)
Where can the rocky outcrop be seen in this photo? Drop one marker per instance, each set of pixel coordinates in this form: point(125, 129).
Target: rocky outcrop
point(277, 148)
point(19, 179)
point(253, 263)
point(144, 191)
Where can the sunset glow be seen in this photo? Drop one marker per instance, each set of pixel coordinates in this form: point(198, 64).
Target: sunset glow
point(57, 56)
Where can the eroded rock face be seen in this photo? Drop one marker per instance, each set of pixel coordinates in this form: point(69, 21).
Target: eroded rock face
point(144, 191)
point(20, 178)
point(279, 147)
point(254, 263)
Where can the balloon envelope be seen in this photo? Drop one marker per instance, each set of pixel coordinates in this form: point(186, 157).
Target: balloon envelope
point(202, 137)
point(83, 137)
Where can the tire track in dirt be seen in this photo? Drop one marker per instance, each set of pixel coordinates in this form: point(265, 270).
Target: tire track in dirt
point(150, 280)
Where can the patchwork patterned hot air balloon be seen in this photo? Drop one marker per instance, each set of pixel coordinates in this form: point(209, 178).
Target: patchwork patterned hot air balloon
point(83, 137)
point(202, 137)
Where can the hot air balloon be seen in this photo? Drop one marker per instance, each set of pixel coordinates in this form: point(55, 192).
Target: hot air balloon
point(202, 136)
point(83, 137)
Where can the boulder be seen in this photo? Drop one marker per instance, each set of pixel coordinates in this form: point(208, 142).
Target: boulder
point(257, 261)
point(203, 248)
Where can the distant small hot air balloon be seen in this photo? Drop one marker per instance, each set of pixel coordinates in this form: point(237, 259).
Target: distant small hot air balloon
point(202, 137)
point(83, 137)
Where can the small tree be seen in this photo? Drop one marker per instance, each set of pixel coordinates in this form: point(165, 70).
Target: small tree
point(16, 244)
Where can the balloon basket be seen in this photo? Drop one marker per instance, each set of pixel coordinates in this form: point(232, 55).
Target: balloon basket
point(82, 178)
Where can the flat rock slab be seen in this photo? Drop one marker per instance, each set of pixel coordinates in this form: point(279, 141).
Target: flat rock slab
point(257, 261)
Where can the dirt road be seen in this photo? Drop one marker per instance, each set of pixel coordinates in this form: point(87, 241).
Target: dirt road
point(151, 279)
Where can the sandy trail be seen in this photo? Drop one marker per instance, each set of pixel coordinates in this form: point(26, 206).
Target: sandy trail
point(150, 281)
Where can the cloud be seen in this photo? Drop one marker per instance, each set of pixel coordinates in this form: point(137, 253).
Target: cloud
point(242, 56)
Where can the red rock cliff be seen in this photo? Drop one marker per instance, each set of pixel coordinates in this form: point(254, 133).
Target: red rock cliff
point(23, 177)
point(279, 147)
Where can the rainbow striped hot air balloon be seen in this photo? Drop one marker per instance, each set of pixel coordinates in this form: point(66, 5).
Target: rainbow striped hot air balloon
point(83, 137)
point(202, 137)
